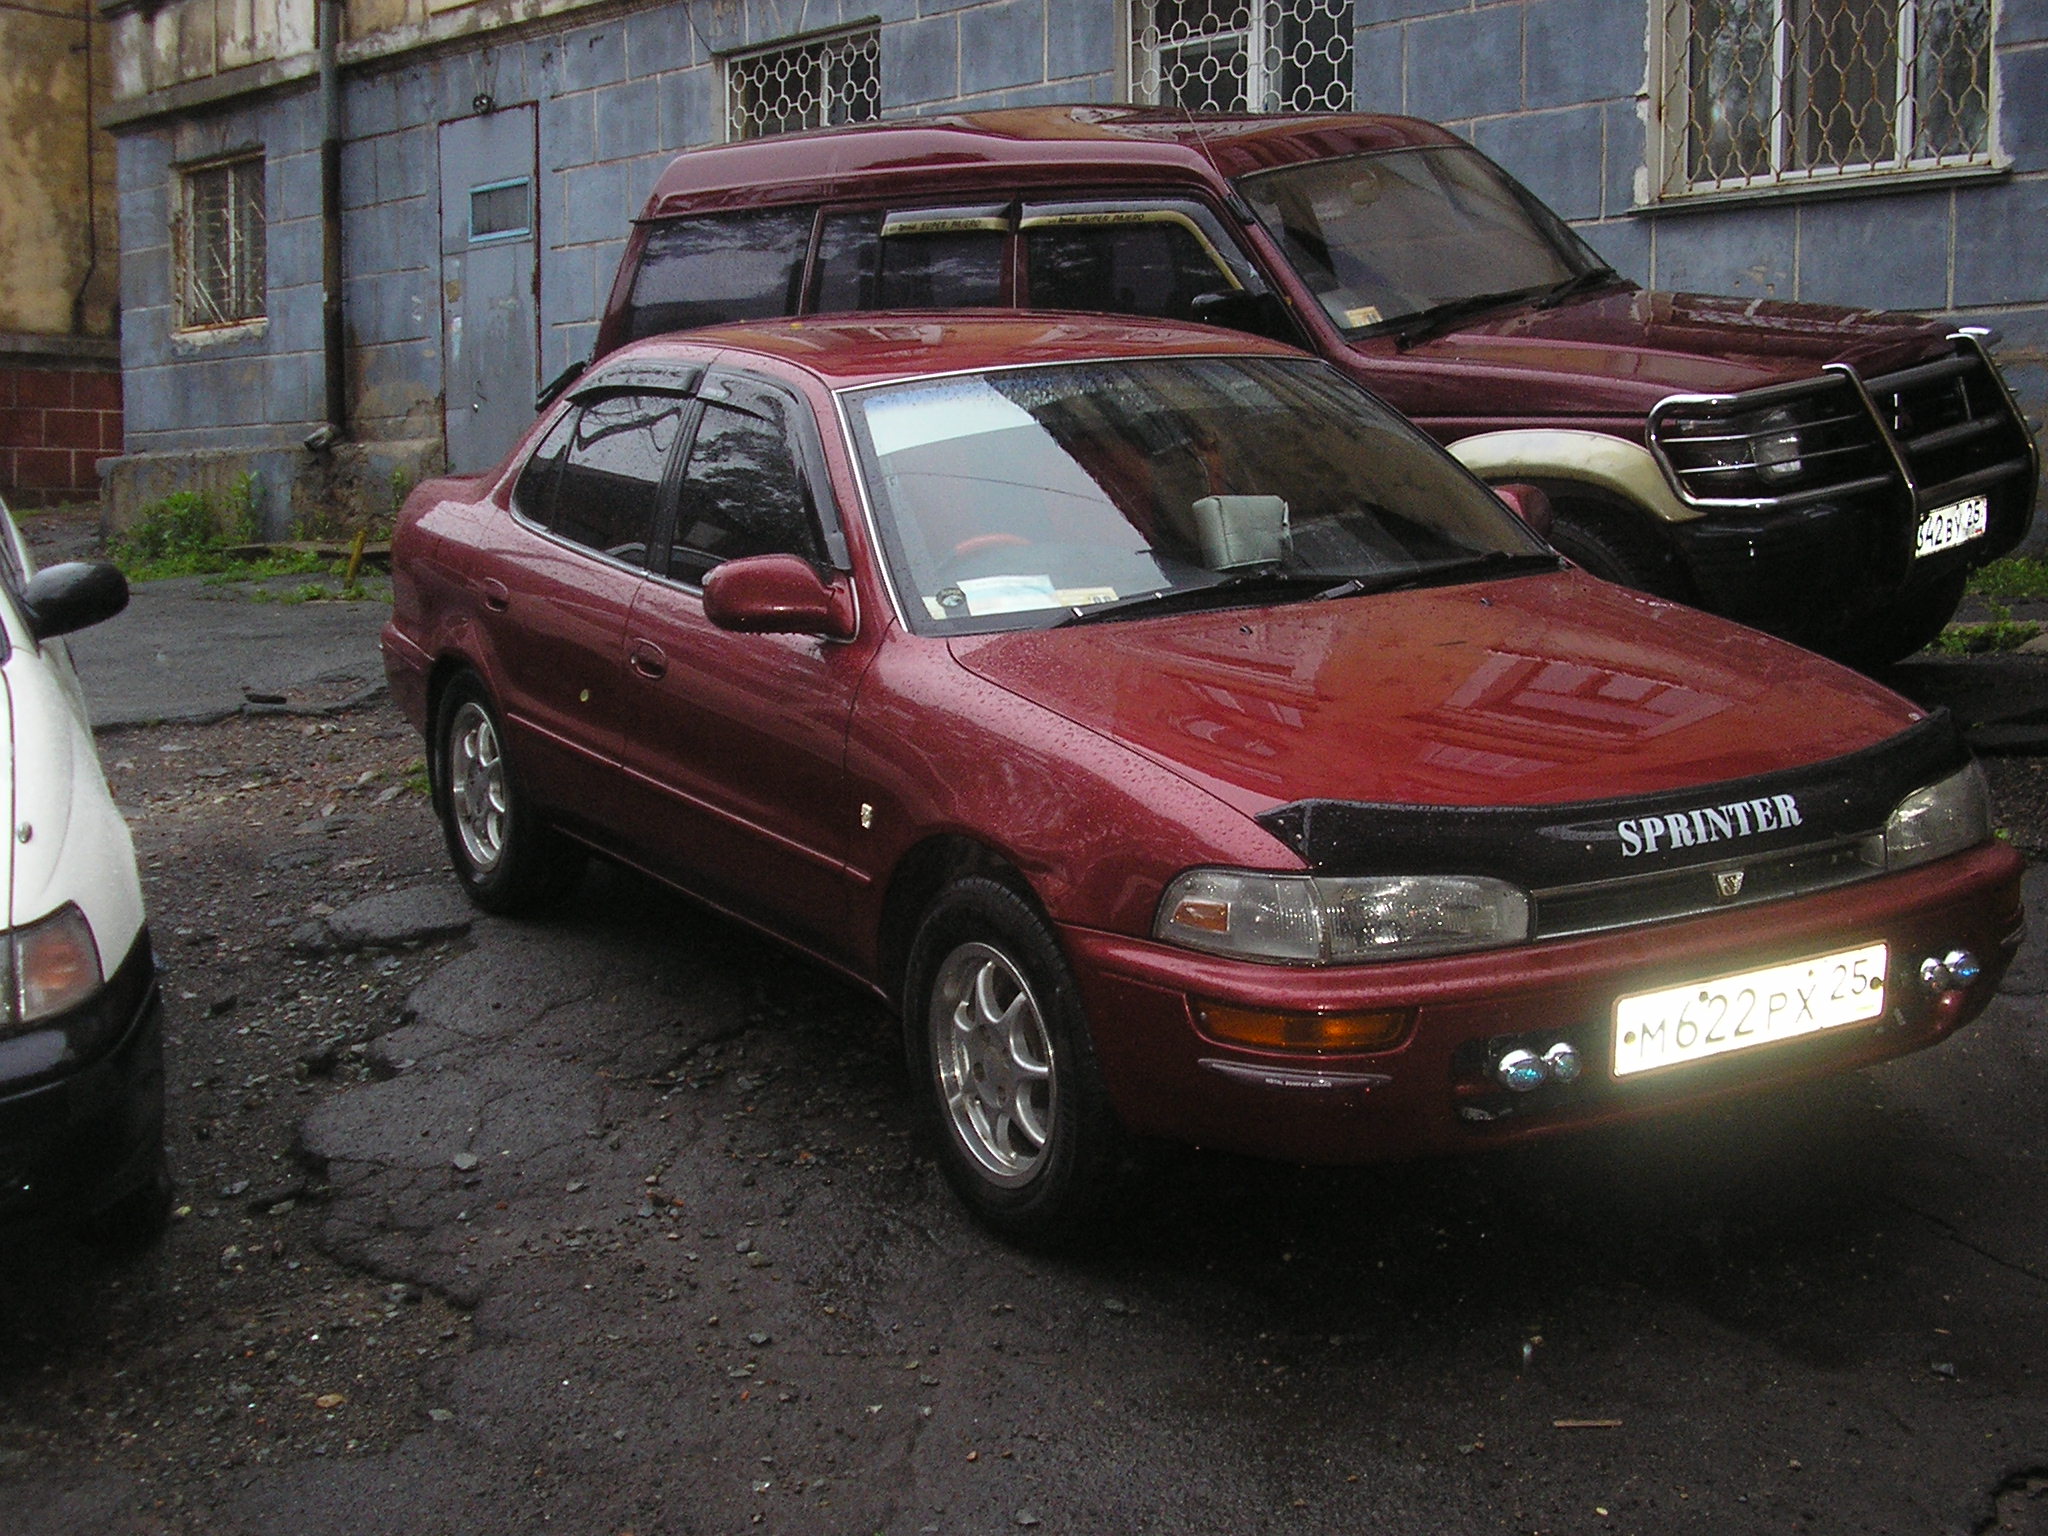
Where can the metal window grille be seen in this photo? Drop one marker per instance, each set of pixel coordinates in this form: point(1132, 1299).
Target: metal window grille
point(223, 247)
point(1242, 55)
point(1775, 92)
point(823, 83)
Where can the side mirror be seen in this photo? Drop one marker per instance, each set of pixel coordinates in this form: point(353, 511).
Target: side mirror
point(1239, 309)
point(1531, 504)
point(778, 595)
point(73, 596)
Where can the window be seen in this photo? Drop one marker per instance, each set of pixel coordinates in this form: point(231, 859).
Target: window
point(720, 267)
point(1779, 92)
point(924, 258)
point(1242, 55)
point(826, 82)
point(220, 256)
point(742, 493)
point(1136, 258)
point(611, 473)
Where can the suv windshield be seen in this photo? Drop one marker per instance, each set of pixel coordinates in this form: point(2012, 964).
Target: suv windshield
point(1030, 496)
point(1381, 238)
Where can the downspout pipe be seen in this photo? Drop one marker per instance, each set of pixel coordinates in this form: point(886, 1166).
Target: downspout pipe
point(332, 334)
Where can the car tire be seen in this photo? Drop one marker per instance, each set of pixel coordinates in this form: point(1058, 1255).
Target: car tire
point(1902, 627)
point(137, 1219)
point(1612, 547)
point(507, 859)
point(999, 1044)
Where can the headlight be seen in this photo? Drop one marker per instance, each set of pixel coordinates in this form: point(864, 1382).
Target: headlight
point(1339, 919)
point(52, 967)
point(1944, 818)
point(1776, 447)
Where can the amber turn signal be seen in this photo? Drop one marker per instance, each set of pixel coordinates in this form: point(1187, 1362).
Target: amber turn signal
point(1304, 1031)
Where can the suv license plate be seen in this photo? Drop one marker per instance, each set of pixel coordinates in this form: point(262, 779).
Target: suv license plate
point(1751, 1008)
point(1957, 523)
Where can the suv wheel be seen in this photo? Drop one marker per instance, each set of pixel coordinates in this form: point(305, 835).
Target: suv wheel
point(1614, 549)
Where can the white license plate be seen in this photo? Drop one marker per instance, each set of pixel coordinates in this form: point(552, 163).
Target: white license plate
point(1746, 1010)
point(1957, 523)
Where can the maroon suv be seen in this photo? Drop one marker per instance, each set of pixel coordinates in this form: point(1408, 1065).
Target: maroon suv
point(1826, 474)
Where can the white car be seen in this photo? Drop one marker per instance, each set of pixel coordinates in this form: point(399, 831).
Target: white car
point(81, 1014)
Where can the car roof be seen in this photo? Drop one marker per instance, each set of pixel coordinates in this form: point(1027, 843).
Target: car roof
point(1022, 146)
point(844, 351)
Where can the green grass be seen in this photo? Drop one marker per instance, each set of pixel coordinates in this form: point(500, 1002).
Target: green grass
point(2013, 579)
point(1978, 639)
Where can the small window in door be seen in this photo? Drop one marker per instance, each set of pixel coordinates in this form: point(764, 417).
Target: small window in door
point(1136, 258)
point(922, 258)
point(611, 473)
point(742, 494)
point(711, 268)
point(501, 211)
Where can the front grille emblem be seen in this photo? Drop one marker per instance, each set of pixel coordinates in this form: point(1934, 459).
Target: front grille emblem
point(1728, 882)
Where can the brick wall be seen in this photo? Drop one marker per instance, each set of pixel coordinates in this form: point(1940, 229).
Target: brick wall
point(55, 425)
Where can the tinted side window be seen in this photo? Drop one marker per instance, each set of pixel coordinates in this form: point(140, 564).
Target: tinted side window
point(1144, 260)
point(533, 494)
point(712, 268)
point(941, 258)
point(611, 475)
point(741, 495)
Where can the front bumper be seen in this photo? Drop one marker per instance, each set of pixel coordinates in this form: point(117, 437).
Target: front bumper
point(77, 1136)
point(1430, 1094)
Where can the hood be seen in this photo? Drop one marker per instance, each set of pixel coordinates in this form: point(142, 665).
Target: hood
point(1543, 690)
point(1631, 347)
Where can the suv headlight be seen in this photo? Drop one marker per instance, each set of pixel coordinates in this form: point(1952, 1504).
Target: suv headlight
point(50, 967)
point(1945, 817)
point(1339, 919)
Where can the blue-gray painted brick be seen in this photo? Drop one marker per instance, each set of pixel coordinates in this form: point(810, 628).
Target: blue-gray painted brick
point(145, 277)
point(592, 57)
point(295, 390)
point(1080, 38)
point(1466, 65)
point(920, 62)
point(142, 160)
point(369, 105)
point(563, 345)
point(628, 120)
point(1745, 250)
point(568, 132)
point(2007, 247)
point(499, 73)
point(658, 40)
point(1002, 45)
point(1376, 69)
point(291, 251)
point(593, 203)
point(294, 187)
point(770, 20)
point(290, 125)
point(1876, 253)
point(2022, 21)
point(1583, 50)
point(417, 96)
point(2023, 106)
point(146, 212)
point(150, 397)
point(1623, 243)
point(358, 174)
point(294, 317)
point(1365, 13)
point(407, 164)
point(1627, 144)
point(1041, 95)
point(688, 115)
point(1556, 155)
point(641, 175)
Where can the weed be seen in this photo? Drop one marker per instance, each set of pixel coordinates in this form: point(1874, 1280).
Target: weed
point(2001, 633)
point(2015, 578)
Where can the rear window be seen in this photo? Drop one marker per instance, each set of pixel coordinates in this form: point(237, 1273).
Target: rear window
point(718, 267)
point(928, 258)
point(1138, 258)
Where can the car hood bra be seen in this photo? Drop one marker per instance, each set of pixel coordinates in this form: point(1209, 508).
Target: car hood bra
point(1544, 692)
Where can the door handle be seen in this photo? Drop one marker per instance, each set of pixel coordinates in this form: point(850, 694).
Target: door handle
point(496, 597)
point(647, 659)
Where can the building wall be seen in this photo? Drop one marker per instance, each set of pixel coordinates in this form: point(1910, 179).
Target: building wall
point(1555, 89)
point(60, 278)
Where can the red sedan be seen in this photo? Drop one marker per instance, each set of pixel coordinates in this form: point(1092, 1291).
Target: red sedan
point(1186, 744)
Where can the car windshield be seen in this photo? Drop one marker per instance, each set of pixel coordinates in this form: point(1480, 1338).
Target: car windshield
point(1033, 496)
point(1380, 238)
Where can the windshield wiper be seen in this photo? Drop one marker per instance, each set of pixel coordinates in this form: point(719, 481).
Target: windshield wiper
point(1439, 573)
point(1571, 287)
point(1426, 323)
point(1240, 587)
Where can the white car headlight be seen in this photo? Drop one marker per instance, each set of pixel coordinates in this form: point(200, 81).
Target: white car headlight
point(1944, 818)
point(50, 967)
point(1339, 919)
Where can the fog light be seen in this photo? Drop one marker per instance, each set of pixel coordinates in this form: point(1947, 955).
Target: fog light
point(1563, 1061)
point(1521, 1071)
point(1275, 1030)
point(1957, 968)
